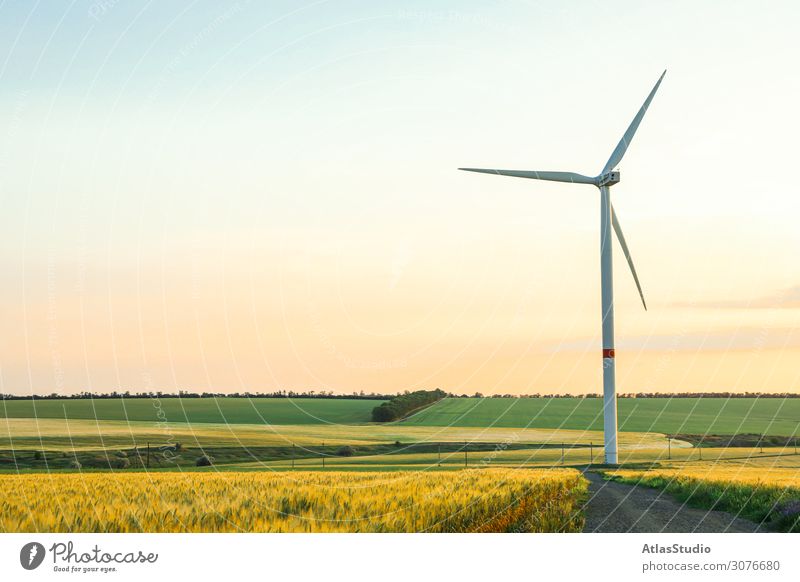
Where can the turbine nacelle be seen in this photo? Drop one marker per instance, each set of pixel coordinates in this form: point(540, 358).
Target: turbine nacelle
point(608, 179)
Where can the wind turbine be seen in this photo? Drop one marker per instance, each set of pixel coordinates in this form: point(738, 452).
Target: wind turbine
point(608, 220)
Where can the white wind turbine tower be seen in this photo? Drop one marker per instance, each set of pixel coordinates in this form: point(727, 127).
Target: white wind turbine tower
point(608, 220)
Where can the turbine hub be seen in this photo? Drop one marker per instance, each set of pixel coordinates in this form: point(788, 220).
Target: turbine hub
point(608, 179)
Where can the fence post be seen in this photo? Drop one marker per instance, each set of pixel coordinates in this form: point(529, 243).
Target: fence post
point(465, 453)
point(591, 453)
point(323, 454)
point(293, 455)
point(562, 453)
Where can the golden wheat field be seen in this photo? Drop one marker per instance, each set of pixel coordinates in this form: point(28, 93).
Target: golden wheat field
point(477, 500)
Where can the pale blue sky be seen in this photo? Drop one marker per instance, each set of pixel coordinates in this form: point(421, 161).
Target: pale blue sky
point(257, 144)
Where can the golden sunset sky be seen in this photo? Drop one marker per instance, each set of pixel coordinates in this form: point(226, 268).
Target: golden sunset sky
point(258, 198)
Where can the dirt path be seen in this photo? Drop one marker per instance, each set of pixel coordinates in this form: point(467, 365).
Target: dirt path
point(614, 507)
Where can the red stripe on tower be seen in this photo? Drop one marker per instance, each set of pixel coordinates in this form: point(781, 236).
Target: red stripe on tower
point(608, 353)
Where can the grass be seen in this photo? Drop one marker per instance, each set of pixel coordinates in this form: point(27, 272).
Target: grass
point(278, 411)
point(769, 416)
point(760, 493)
point(255, 456)
point(52, 444)
point(26, 434)
point(738, 440)
point(533, 457)
point(493, 500)
point(408, 456)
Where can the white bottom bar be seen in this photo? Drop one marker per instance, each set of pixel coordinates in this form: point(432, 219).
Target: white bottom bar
point(421, 557)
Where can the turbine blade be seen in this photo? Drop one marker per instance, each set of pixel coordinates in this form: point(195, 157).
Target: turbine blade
point(622, 146)
point(626, 252)
point(550, 176)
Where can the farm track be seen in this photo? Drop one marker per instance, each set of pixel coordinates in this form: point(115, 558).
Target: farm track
point(617, 508)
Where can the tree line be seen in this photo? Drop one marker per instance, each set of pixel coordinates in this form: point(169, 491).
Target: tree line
point(322, 394)
point(362, 395)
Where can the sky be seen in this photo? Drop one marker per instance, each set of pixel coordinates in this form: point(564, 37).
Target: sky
point(257, 196)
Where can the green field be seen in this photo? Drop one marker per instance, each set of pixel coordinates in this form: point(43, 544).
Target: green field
point(56, 434)
point(193, 442)
point(769, 416)
point(198, 410)
point(52, 444)
point(272, 432)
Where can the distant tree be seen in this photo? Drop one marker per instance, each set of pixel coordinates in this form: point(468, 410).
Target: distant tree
point(204, 461)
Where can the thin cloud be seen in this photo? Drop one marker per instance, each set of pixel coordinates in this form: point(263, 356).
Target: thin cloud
point(751, 338)
point(786, 299)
